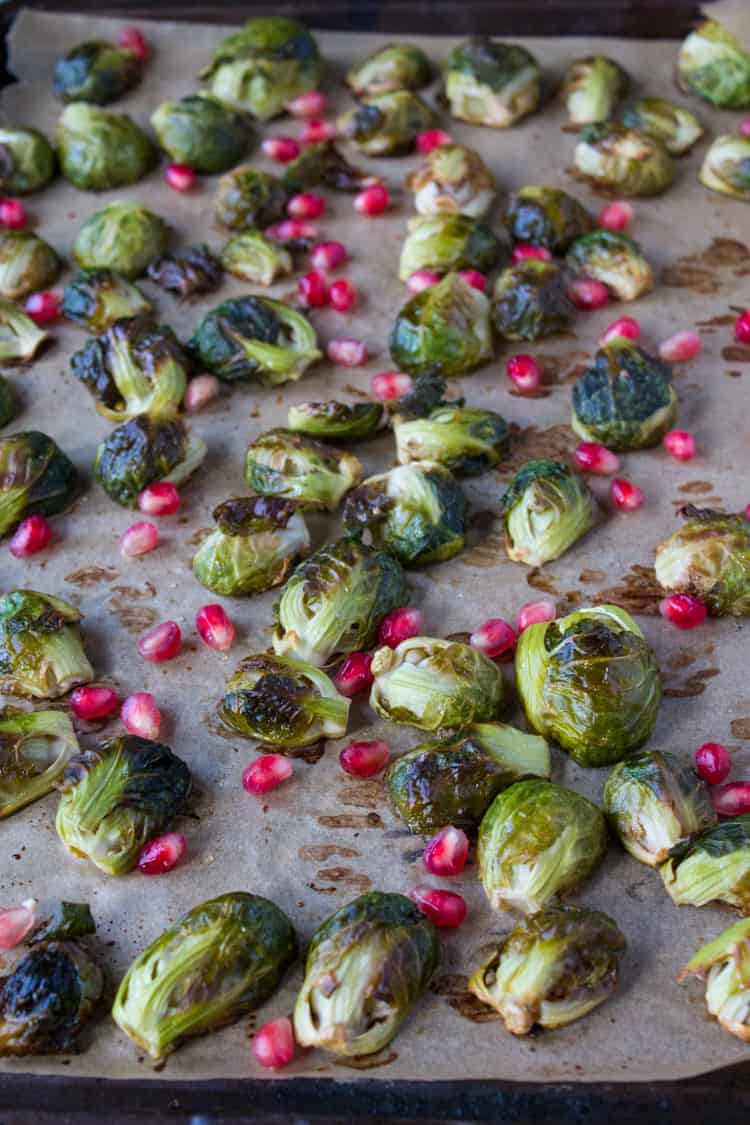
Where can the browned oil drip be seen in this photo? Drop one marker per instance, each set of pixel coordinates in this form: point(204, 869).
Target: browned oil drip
point(453, 986)
point(487, 554)
point(351, 820)
point(135, 593)
point(638, 592)
point(695, 684)
point(529, 442)
point(367, 1062)
point(697, 272)
point(357, 391)
point(459, 638)
point(560, 367)
point(573, 598)
point(91, 575)
point(718, 321)
point(362, 794)
point(344, 876)
point(740, 728)
point(482, 520)
point(133, 618)
point(309, 754)
point(681, 659)
point(724, 252)
point(198, 536)
point(536, 392)
point(734, 374)
point(538, 580)
point(736, 353)
point(592, 576)
point(319, 852)
point(696, 487)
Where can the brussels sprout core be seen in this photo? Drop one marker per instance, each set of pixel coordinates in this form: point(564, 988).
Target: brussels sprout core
point(27, 161)
point(488, 82)
point(724, 964)
point(713, 65)
point(709, 557)
point(448, 242)
point(36, 478)
point(445, 327)
point(452, 180)
point(123, 237)
point(546, 509)
point(35, 747)
point(41, 654)
point(101, 150)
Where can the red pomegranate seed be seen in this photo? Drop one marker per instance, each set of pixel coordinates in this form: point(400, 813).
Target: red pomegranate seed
point(310, 104)
point(161, 643)
point(139, 539)
point(316, 130)
point(13, 214)
point(162, 854)
point(93, 701)
point(742, 328)
point(16, 922)
point(445, 909)
point(680, 444)
point(180, 177)
point(141, 716)
point(433, 138)
point(524, 250)
point(681, 347)
point(44, 307)
point(214, 627)
point(327, 256)
point(747, 511)
point(265, 773)
point(422, 279)
point(160, 499)
point(523, 371)
point(626, 326)
point(33, 534)
point(616, 216)
point(364, 759)
point(201, 390)
point(306, 205)
point(712, 763)
point(289, 229)
point(596, 458)
point(133, 40)
point(494, 638)
point(399, 625)
point(313, 290)
point(354, 675)
point(475, 279)
point(534, 613)
point(732, 799)
point(387, 385)
point(273, 1044)
point(445, 854)
point(625, 495)
point(683, 610)
point(585, 293)
point(280, 149)
point(342, 295)
point(745, 127)
point(347, 352)
point(372, 201)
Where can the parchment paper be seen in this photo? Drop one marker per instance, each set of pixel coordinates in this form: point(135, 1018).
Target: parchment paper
point(322, 839)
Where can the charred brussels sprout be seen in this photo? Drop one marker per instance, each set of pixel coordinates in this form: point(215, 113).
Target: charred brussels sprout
point(203, 132)
point(36, 478)
point(538, 841)
point(217, 963)
point(35, 747)
point(144, 450)
point(708, 557)
point(95, 299)
point(283, 463)
point(464, 439)
point(488, 82)
point(189, 273)
point(553, 968)
point(251, 256)
point(715, 66)
point(713, 868)
point(626, 399)
point(529, 301)
point(27, 160)
point(397, 66)
point(334, 602)
point(452, 180)
point(724, 964)
point(20, 339)
point(27, 264)
point(256, 542)
point(544, 216)
point(676, 127)
point(591, 89)
point(431, 683)
point(322, 164)
point(446, 327)
point(8, 404)
point(255, 337)
point(366, 967)
point(623, 161)
point(283, 702)
point(41, 653)
point(387, 124)
point(545, 510)
point(123, 237)
point(726, 166)
point(117, 797)
point(99, 150)
point(613, 258)
point(454, 780)
point(246, 198)
point(336, 421)
point(448, 242)
point(590, 682)
point(96, 71)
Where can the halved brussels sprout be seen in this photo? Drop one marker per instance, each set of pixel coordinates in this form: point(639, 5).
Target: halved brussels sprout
point(8, 404)
point(591, 89)
point(548, 217)
point(613, 258)
point(41, 653)
point(27, 160)
point(256, 542)
point(283, 702)
point(553, 968)
point(215, 964)
point(724, 964)
point(251, 256)
point(20, 338)
point(100, 150)
point(95, 299)
point(464, 439)
point(676, 127)
point(626, 399)
point(144, 450)
point(70, 921)
point(452, 180)
point(202, 132)
point(188, 273)
point(713, 868)
point(545, 510)
point(538, 841)
point(431, 683)
point(446, 327)
point(96, 71)
point(247, 198)
point(454, 780)
point(396, 66)
point(726, 166)
point(622, 161)
point(123, 236)
point(334, 602)
point(656, 804)
point(591, 682)
point(715, 66)
point(366, 967)
point(322, 165)
point(529, 301)
point(283, 463)
point(448, 242)
point(36, 478)
point(27, 264)
point(35, 747)
point(488, 82)
point(709, 557)
point(264, 65)
point(386, 124)
point(336, 421)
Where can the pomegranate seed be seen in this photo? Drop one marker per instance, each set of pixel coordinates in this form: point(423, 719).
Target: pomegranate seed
point(433, 138)
point(387, 385)
point(93, 701)
point(199, 392)
point(141, 716)
point(133, 40)
point(422, 279)
point(475, 279)
point(585, 293)
point(445, 854)
point(523, 371)
point(595, 458)
point(280, 149)
point(44, 307)
point(265, 773)
point(745, 127)
point(626, 326)
point(354, 675)
point(139, 539)
point(625, 495)
point(33, 534)
point(162, 854)
point(399, 625)
point(683, 610)
point(161, 643)
point(680, 347)
point(494, 638)
point(616, 216)
point(313, 290)
point(160, 499)
point(364, 759)
point(328, 256)
point(273, 1044)
point(13, 214)
point(180, 177)
point(372, 201)
point(680, 445)
point(16, 922)
point(306, 205)
point(742, 328)
point(534, 613)
point(347, 352)
point(524, 250)
point(445, 909)
point(310, 104)
point(342, 295)
point(747, 512)
point(316, 130)
point(732, 799)
point(712, 763)
point(214, 627)
point(289, 229)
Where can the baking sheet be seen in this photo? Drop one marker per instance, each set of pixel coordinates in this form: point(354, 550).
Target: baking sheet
point(324, 838)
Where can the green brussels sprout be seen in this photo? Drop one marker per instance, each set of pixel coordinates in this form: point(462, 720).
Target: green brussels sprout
point(713, 868)
point(548, 217)
point(366, 966)
point(123, 236)
point(100, 150)
point(430, 683)
point(202, 132)
point(396, 66)
point(116, 798)
point(70, 921)
point(336, 421)
point(452, 180)
point(95, 299)
point(251, 256)
point(726, 166)
point(676, 127)
point(724, 964)
point(622, 161)
point(27, 161)
point(8, 404)
point(488, 82)
point(713, 65)
point(322, 164)
point(35, 747)
point(454, 780)
point(626, 399)
point(214, 965)
point(448, 242)
point(41, 653)
point(553, 968)
point(386, 124)
point(591, 89)
point(590, 682)
point(36, 478)
point(247, 198)
point(529, 301)
point(416, 512)
point(283, 463)
point(464, 439)
point(613, 258)
point(334, 602)
point(256, 542)
point(188, 273)
point(446, 326)
point(709, 557)
point(20, 339)
point(255, 337)
point(538, 841)
point(96, 71)
point(426, 391)
point(27, 264)
point(655, 804)
point(283, 702)
point(143, 450)
point(545, 510)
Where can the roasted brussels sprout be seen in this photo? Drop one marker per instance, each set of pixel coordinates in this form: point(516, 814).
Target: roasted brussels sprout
point(448, 242)
point(255, 337)
point(590, 682)
point(322, 165)
point(446, 327)
point(251, 256)
point(431, 683)
point(95, 299)
point(366, 966)
point(202, 132)
point(335, 601)
point(256, 542)
point(27, 160)
point(96, 71)
point(70, 921)
point(215, 964)
point(397, 66)
point(454, 780)
point(144, 450)
point(676, 127)
point(726, 166)
point(464, 439)
point(336, 421)
point(123, 236)
point(553, 968)
point(591, 89)
point(529, 301)
point(545, 510)
point(101, 150)
point(615, 259)
point(283, 463)
point(452, 180)
point(116, 798)
point(709, 557)
point(488, 82)
point(188, 273)
point(8, 404)
point(548, 217)
point(622, 161)
point(386, 124)
point(41, 653)
point(36, 478)
point(724, 964)
point(538, 841)
point(626, 399)
point(20, 339)
point(713, 65)
point(35, 747)
point(247, 198)
point(27, 263)
point(426, 391)
point(713, 868)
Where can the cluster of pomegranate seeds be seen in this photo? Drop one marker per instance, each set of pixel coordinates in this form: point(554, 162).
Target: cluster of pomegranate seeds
point(16, 922)
point(681, 347)
point(625, 496)
point(342, 295)
point(44, 307)
point(265, 773)
point(33, 534)
point(280, 149)
point(422, 279)
point(310, 104)
point(93, 701)
point(587, 294)
point(712, 763)
point(354, 675)
point(617, 215)
point(387, 385)
point(683, 610)
point(399, 625)
point(306, 205)
point(133, 40)
point(445, 854)
point(141, 716)
point(433, 138)
point(313, 290)
point(680, 444)
point(316, 130)
point(139, 539)
point(523, 371)
point(159, 499)
point(180, 177)
point(626, 326)
point(162, 854)
point(327, 256)
point(214, 627)
point(347, 352)
point(289, 229)
point(534, 613)
point(732, 799)
point(13, 214)
point(201, 390)
point(373, 200)
point(494, 638)
point(163, 642)
point(742, 328)
point(524, 250)
point(445, 909)
point(475, 279)
point(364, 759)
point(273, 1044)
point(595, 458)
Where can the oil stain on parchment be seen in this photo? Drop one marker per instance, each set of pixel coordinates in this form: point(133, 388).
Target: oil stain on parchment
point(343, 877)
point(91, 575)
point(454, 987)
point(529, 442)
point(740, 728)
point(694, 684)
point(133, 618)
point(362, 794)
point(318, 853)
point(351, 820)
point(539, 580)
point(637, 592)
point(701, 273)
point(736, 353)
